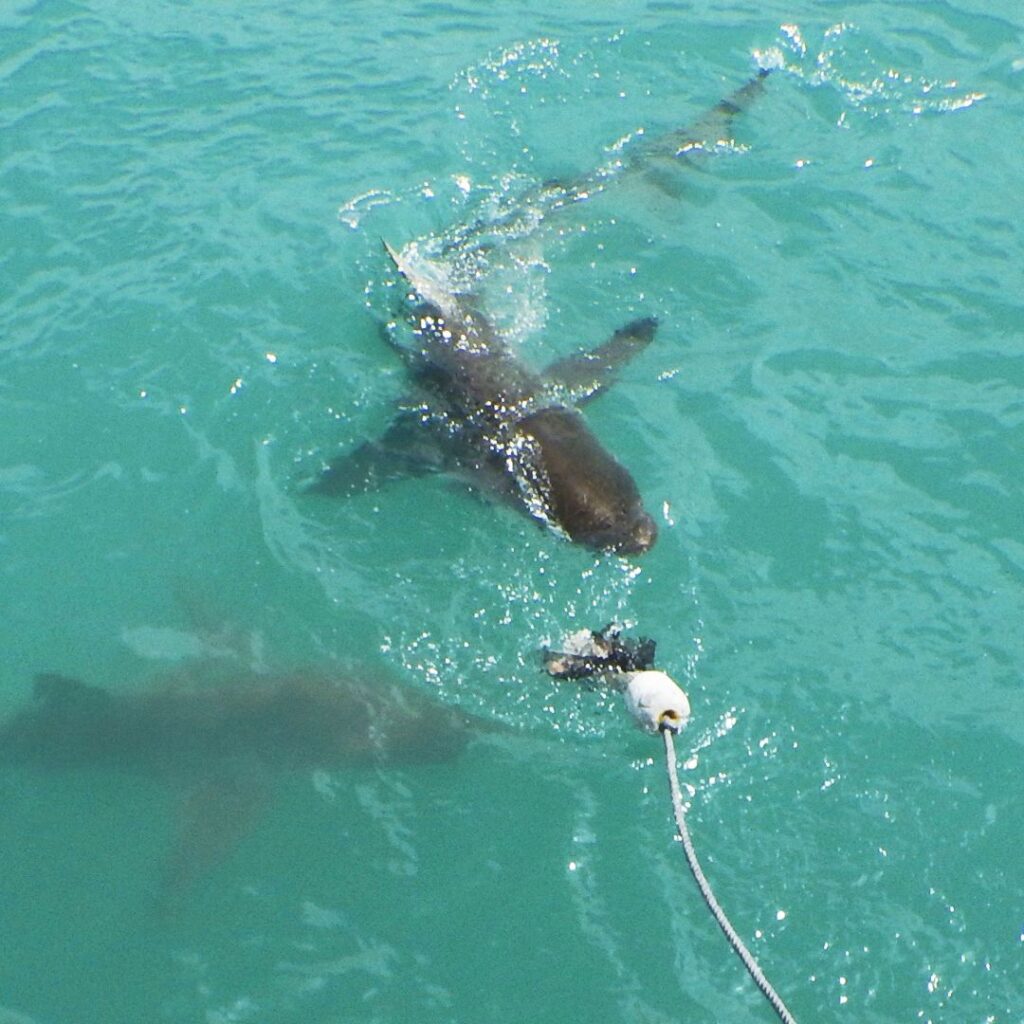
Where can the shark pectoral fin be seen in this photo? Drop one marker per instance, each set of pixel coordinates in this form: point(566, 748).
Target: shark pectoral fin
point(405, 449)
point(366, 468)
point(214, 814)
point(587, 374)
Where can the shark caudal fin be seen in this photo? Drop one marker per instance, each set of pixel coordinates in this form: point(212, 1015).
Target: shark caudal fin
point(586, 375)
point(713, 128)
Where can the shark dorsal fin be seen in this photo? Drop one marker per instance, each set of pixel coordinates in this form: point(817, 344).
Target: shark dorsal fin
point(393, 256)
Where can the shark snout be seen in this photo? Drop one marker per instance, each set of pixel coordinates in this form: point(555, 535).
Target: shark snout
point(641, 536)
point(626, 536)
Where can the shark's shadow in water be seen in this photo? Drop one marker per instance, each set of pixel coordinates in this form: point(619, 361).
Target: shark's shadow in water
point(222, 746)
point(477, 411)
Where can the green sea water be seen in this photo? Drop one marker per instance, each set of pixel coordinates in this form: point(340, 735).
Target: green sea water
point(828, 428)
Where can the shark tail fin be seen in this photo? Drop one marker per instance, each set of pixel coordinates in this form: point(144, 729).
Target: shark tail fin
point(715, 125)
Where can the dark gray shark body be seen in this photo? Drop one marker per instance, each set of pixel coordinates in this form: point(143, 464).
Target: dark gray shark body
point(478, 410)
point(222, 746)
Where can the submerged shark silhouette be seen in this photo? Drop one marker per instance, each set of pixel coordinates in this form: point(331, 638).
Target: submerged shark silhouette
point(221, 746)
point(478, 410)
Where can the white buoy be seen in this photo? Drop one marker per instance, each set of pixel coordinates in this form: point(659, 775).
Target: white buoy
point(656, 701)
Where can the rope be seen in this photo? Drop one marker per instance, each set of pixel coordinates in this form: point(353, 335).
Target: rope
point(705, 888)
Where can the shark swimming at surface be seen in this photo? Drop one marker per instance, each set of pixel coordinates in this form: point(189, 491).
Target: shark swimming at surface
point(222, 745)
point(479, 412)
point(483, 413)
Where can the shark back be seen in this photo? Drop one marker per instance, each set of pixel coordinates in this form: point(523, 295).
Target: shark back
point(302, 720)
point(478, 408)
point(458, 357)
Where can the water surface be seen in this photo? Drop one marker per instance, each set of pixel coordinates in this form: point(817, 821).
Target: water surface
point(828, 428)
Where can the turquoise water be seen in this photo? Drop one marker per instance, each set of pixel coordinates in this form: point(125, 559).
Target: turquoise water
point(828, 429)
